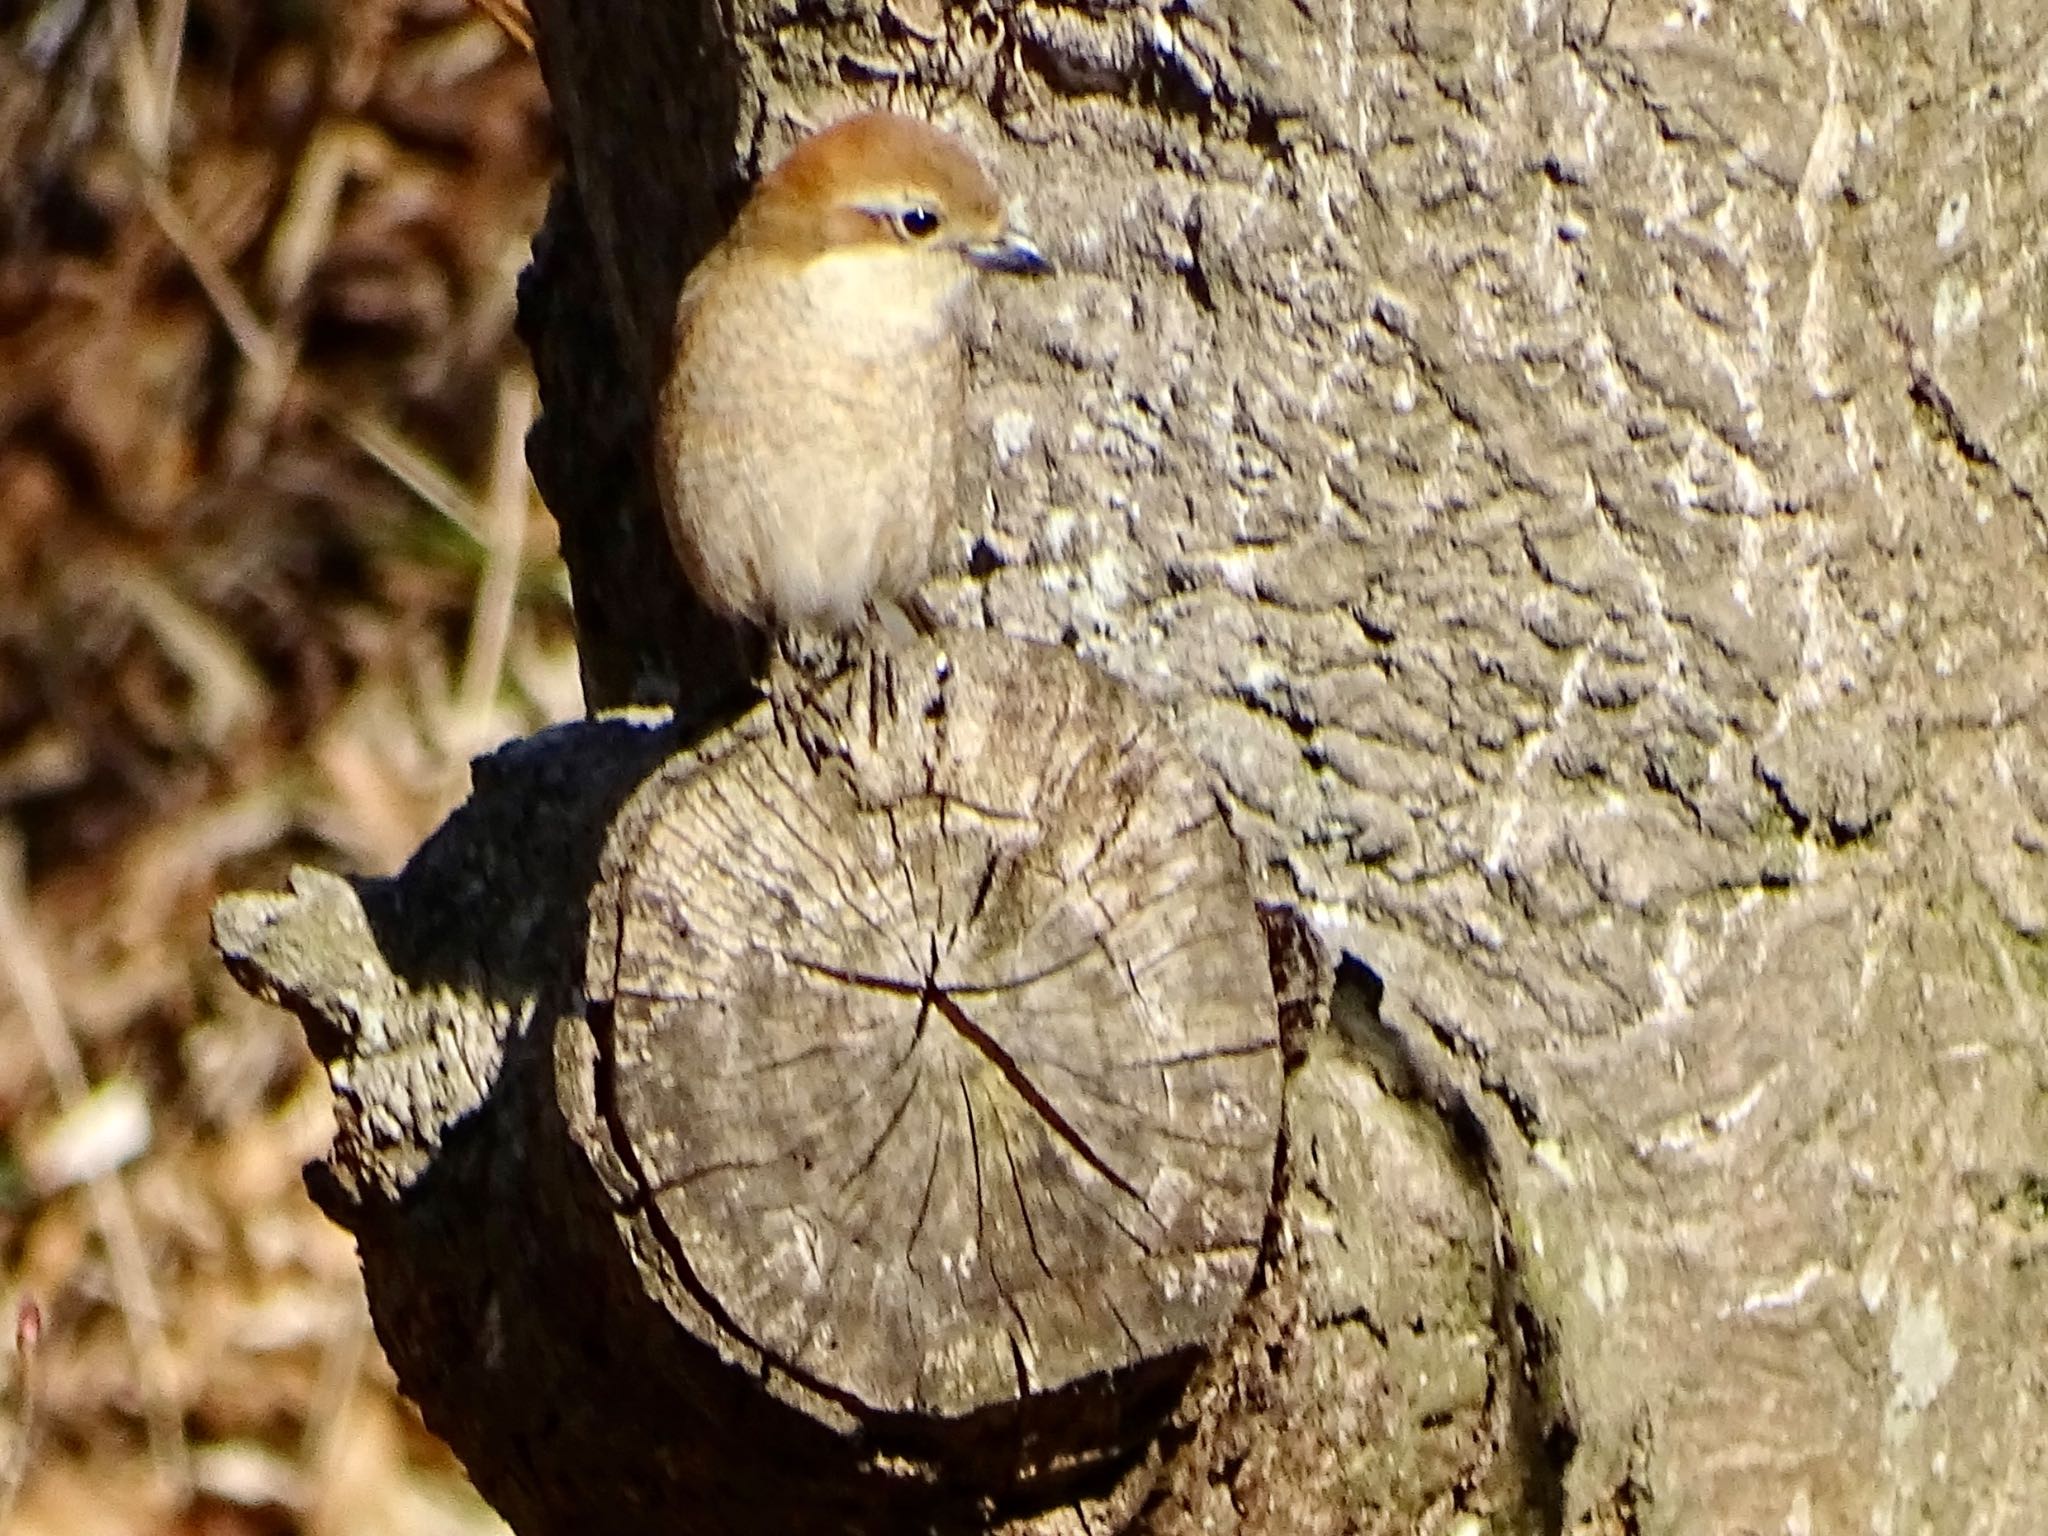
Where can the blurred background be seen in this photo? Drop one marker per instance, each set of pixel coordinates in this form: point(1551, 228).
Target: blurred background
point(271, 572)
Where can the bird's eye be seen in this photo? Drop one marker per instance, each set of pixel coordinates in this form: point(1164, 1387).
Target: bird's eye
point(918, 223)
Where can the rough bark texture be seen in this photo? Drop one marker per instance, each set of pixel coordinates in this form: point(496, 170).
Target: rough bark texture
point(1576, 475)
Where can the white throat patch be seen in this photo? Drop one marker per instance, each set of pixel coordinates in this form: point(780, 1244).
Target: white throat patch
point(877, 301)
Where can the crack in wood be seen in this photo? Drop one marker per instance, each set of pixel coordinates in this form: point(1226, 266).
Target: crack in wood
point(992, 1050)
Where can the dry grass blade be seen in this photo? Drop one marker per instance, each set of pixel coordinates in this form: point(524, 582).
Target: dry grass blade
point(167, 49)
point(305, 228)
point(512, 16)
point(261, 389)
point(410, 465)
point(245, 328)
point(227, 690)
point(336, 153)
point(145, 113)
point(35, 992)
point(150, 58)
point(406, 463)
point(490, 627)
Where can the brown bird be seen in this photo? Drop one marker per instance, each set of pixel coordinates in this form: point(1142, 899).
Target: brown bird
point(807, 433)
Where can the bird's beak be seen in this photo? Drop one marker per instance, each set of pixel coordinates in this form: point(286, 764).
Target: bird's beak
point(1009, 252)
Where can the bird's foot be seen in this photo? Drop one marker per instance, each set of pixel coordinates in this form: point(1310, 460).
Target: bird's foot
point(811, 658)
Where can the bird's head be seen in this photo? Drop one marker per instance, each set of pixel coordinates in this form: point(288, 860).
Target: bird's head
point(890, 190)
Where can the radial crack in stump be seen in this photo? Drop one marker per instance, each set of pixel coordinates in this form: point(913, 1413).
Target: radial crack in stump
point(935, 1026)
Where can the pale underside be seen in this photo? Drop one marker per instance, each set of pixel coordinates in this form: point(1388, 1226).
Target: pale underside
point(809, 433)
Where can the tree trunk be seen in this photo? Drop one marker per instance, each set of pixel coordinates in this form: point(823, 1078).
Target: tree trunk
point(1573, 478)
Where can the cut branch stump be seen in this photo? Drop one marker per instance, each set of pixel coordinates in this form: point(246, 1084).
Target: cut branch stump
point(917, 1039)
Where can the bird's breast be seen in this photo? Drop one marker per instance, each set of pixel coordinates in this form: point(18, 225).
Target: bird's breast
point(810, 432)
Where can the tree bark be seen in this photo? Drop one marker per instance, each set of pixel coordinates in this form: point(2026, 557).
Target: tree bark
point(1574, 477)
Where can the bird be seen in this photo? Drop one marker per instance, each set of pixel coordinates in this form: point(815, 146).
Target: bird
point(809, 426)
